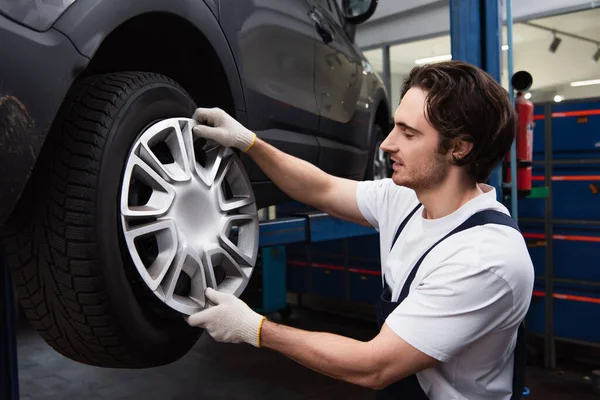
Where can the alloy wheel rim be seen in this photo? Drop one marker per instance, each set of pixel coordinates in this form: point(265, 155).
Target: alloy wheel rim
point(380, 163)
point(188, 215)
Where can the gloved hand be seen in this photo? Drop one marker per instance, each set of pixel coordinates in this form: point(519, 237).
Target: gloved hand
point(219, 126)
point(230, 320)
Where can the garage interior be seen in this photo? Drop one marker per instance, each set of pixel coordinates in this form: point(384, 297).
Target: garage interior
point(317, 273)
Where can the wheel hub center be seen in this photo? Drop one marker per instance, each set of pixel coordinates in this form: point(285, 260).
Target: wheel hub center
point(196, 211)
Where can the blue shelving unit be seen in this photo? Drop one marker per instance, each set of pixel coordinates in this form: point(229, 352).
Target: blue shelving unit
point(563, 230)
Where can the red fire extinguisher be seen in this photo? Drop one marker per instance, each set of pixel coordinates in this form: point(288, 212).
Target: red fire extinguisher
point(522, 81)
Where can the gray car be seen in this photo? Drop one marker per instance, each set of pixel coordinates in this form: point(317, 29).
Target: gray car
point(114, 217)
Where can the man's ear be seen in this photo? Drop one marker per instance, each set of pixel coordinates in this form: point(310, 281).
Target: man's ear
point(461, 148)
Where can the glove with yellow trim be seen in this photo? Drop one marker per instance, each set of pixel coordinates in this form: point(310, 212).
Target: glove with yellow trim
point(230, 320)
point(221, 127)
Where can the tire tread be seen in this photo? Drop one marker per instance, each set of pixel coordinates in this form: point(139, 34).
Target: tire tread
point(50, 240)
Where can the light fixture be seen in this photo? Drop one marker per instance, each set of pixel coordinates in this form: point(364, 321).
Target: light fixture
point(596, 55)
point(504, 47)
point(586, 83)
point(444, 57)
point(555, 43)
point(558, 98)
point(527, 95)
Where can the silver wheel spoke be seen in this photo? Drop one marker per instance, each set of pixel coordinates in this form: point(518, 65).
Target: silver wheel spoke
point(380, 164)
point(226, 274)
point(208, 156)
point(163, 147)
point(188, 215)
point(159, 243)
point(381, 156)
point(234, 237)
point(157, 193)
point(234, 193)
point(188, 271)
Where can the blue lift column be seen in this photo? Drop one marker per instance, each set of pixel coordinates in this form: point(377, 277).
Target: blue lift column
point(475, 37)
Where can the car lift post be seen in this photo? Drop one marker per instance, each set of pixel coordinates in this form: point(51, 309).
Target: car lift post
point(310, 227)
point(9, 380)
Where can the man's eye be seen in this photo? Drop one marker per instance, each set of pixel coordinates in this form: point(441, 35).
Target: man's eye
point(409, 135)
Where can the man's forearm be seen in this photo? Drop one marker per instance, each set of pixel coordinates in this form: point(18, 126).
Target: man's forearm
point(297, 178)
point(332, 355)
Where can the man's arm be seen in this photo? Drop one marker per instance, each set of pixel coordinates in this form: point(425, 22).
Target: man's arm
point(374, 364)
point(306, 183)
point(299, 179)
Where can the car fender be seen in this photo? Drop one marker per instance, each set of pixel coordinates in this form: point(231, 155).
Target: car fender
point(39, 69)
point(379, 99)
point(88, 22)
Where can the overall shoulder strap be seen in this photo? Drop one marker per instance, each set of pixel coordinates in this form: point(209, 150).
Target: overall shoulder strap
point(403, 224)
point(479, 218)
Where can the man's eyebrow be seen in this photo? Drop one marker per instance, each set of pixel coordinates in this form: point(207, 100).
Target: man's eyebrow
point(410, 128)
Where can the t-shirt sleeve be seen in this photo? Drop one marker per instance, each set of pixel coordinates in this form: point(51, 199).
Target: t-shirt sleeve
point(371, 198)
point(451, 308)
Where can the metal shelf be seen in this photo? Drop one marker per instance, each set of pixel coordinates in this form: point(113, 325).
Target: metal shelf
point(549, 223)
point(562, 221)
point(570, 161)
point(572, 281)
point(567, 340)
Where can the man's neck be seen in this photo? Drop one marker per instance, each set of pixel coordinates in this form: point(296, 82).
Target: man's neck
point(445, 199)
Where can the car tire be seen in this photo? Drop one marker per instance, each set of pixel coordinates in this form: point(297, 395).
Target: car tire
point(76, 280)
point(378, 165)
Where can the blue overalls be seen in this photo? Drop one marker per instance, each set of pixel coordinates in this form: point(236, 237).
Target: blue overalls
point(409, 387)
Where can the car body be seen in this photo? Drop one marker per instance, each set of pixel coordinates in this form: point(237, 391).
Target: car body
point(268, 63)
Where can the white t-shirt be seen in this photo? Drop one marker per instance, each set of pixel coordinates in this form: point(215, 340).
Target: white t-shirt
point(468, 297)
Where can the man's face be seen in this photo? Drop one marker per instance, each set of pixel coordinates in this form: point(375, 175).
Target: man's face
point(413, 146)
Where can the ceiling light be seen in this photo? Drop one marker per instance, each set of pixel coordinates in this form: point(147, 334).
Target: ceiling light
point(555, 43)
point(527, 95)
point(445, 57)
point(596, 55)
point(504, 47)
point(586, 83)
point(558, 98)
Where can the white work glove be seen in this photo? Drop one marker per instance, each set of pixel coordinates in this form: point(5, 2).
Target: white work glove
point(229, 320)
point(221, 127)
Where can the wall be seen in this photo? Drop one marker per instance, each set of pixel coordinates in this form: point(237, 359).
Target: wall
point(568, 93)
point(400, 21)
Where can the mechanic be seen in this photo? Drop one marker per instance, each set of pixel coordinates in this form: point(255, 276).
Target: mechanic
point(449, 317)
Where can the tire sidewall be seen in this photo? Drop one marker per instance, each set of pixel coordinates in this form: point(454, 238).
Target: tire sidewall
point(147, 104)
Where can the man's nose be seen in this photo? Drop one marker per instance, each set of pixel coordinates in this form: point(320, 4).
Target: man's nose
point(388, 145)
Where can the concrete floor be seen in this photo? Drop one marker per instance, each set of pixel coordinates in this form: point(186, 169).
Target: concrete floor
point(222, 371)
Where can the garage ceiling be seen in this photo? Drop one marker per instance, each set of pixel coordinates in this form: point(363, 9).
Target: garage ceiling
point(552, 72)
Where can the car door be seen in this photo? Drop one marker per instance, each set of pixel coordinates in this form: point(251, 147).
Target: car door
point(338, 82)
point(274, 45)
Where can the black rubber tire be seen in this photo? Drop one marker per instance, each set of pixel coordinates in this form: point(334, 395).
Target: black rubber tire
point(376, 138)
point(76, 284)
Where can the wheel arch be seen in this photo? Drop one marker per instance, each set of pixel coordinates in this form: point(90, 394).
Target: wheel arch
point(181, 39)
point(381, 116)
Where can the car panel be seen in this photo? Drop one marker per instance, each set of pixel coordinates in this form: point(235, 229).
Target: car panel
point(38, 15)
point(344, 115)
point(34, 57)
point(88, 22)
point(273, 43)
point(267, 49)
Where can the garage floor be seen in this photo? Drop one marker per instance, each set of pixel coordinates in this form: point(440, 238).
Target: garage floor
point(222, 371)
